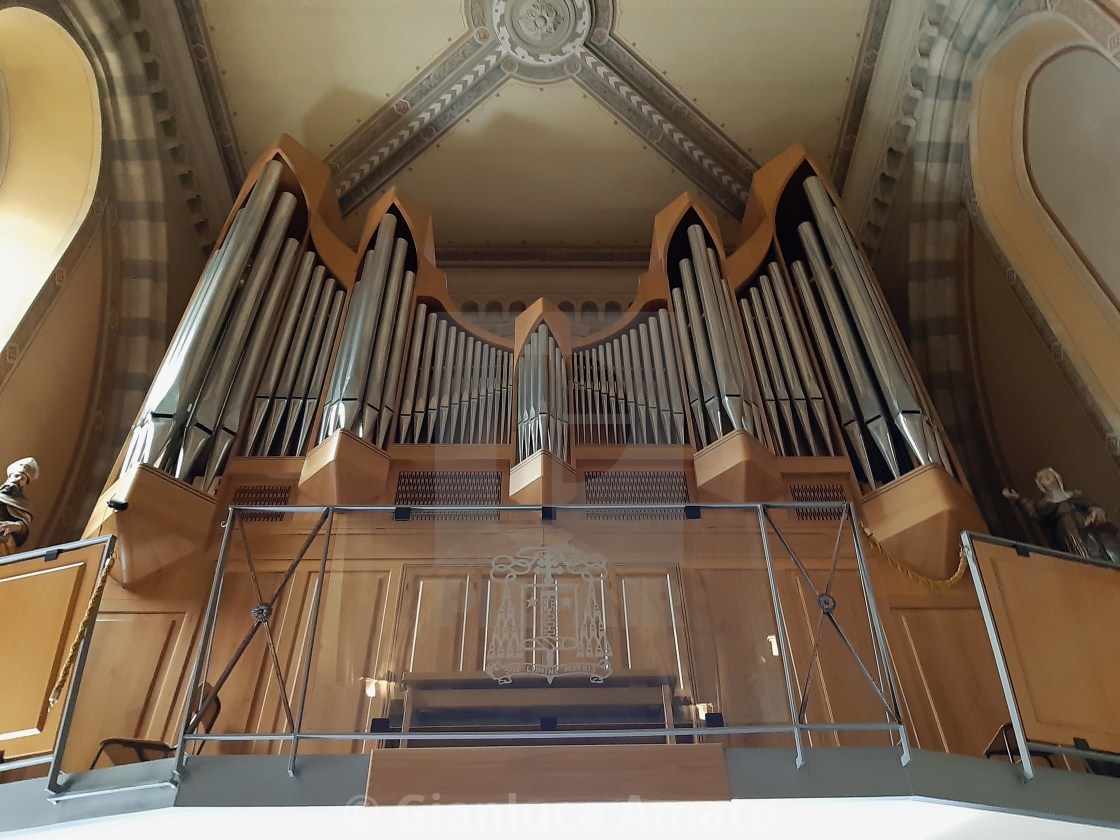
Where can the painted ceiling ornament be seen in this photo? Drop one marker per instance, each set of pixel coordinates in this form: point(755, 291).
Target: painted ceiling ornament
point(541, 20)
point(550, 620)
point(538, 36)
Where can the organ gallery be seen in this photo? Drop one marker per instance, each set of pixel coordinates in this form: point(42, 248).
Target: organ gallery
point(353, 517)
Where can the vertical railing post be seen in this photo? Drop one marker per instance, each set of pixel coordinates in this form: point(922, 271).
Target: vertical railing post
point(783, 642)
point(1001, 659)
point(880, 634)
point(206, 638)
point(313, 623)
point(67, 718)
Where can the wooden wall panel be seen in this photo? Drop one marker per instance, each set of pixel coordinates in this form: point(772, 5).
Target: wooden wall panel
point(1057, 622)
point(437, 620)
point(953, 692)
point(242, 694)
point(131, 658)
point(839, 692)
point(731, 622)
point(36, 607)
point(651, 636)
point(352, 621)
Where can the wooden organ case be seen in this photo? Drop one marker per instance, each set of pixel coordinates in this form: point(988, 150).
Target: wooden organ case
point(307, 372)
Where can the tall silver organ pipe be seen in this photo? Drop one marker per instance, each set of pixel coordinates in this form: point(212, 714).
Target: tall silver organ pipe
point(833, 372)
point(872, 411)
point(298, 446)
point(386, 328)
point(302, 399)
point(207, 407)
point(453, 384)
point(688, 361)
point(812, 388)
point(347, 385)
point(251, 362)
point(887, 358)
point(298, 300)
point(175, 387)
point(542, 397)
point(717, 373)
point(627, 390)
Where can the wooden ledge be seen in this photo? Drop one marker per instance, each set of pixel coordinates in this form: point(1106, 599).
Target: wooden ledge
point(737, 468)
point(165, 521)
point(587, 773)
point(918, 519)
point(344, 470)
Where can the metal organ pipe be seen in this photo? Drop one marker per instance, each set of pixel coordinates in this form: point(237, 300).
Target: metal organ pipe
point(267, 386)
point(179, 377)
point(250, 365)
point(303, 392)
point(282, 396)
point(801, 357)
point(872, 410)
point(375, 374)
point(319, 373)
point(887, 359)
point(833, 371)
point(348, 379)
point(691, 378)
point(766, 386)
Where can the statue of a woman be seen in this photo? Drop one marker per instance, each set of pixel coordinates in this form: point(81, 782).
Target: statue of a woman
point(1073, 523)
point(15, 511)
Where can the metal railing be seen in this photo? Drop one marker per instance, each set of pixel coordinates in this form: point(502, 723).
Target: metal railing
point(884, 687)
point(776, 548)
point(1024, 745)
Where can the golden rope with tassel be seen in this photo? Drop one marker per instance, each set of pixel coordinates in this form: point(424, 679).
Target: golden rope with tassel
point(933, 583)
point(91, 610)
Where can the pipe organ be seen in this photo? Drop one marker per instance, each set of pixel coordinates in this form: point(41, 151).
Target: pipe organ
point(314, 371)
point(799, 353)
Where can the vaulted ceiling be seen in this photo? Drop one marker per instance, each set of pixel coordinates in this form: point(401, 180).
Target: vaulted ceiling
point(537, 124)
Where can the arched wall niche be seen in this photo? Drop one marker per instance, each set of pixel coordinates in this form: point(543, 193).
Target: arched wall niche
point(1048, 332)
point(53, 125)
point(1071, 125)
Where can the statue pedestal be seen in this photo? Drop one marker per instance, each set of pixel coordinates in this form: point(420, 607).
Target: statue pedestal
point(344, 470)
point(165, 521)
point(543, 479)
point(737, 468)
point(918, 520)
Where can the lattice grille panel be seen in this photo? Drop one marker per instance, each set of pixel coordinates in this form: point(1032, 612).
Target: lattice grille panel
point(449, 488)
point(262, 494)
point(818, 493)
point(636, 488)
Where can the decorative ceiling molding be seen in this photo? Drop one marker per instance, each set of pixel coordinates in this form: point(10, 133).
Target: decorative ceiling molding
point(427, 107)
point(188, 135)
point(208, 74)
point(541, 41)
point(858, 91)
point(631, 90)
point(882, 148)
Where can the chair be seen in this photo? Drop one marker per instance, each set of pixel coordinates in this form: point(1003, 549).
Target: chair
point(1098, 766)
point(1004, 744)
point(133, 750)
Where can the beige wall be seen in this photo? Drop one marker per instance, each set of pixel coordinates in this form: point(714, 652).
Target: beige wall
point(1037, 419)
point(44, 402)
point(54, 153)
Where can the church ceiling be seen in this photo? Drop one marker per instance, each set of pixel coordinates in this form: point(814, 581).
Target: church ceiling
point(596, 113)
